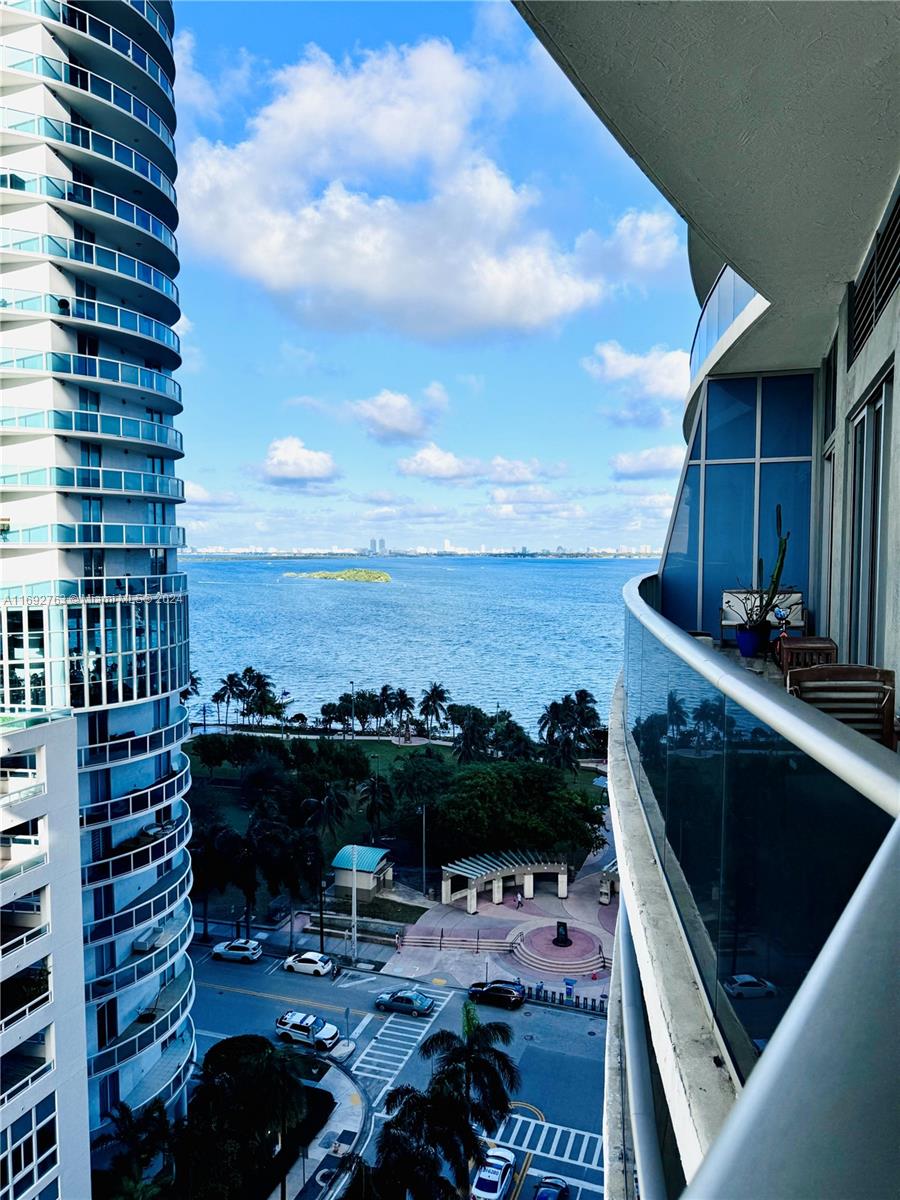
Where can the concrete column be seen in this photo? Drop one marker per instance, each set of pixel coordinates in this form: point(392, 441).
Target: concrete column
point(497, 890)
point(471, 899)
point(562, 884)
point(445, 891)
point(528, 886)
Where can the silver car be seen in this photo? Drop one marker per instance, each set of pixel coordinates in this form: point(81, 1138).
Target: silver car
point(238, 950)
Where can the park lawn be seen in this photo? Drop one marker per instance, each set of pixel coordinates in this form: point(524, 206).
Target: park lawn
point(379, 908)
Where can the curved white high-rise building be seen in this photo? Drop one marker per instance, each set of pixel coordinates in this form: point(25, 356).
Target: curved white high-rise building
point(94, 611)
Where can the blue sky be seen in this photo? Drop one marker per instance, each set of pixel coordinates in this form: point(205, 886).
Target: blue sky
point(426, 294)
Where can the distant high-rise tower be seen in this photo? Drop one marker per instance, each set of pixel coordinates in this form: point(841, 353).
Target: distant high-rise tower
point(372, 546)
point(381, 546)
point(94, 611)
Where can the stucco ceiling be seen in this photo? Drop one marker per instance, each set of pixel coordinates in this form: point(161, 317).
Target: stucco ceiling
point(773, 128)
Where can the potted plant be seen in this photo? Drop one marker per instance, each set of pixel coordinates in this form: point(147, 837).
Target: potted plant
point(755, 604)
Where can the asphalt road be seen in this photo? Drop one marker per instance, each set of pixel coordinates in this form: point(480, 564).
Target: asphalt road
point(556, 1121)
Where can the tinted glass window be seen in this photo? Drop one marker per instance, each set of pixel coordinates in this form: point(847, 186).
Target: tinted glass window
point(731, 418)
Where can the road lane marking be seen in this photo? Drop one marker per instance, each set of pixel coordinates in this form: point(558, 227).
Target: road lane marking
point(293, 1000)
point(578, 1147)
point(276, 966)
point(394, 1045)
point(520, 1182)
point(595, 1189)
point(210, 1033)
point(361, 1026)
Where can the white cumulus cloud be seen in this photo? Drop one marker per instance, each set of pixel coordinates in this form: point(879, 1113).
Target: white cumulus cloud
point(649, 382)
point(647, 464)
point(431, 462)
point(391, 417)
point(369, 197)
point(289, 462)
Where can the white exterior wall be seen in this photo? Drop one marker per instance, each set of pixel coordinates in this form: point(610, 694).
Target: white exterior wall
point(125, 678)
point(59, 885)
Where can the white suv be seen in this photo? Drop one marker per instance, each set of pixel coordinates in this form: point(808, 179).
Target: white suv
point(307, 1030)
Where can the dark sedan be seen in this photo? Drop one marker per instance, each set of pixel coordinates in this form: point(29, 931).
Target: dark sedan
point(506, 993)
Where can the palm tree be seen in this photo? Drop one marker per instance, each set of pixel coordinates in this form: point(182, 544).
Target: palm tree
point(240, 857)
point(191, 689)
point(407, 1164)
point(433, 705)
point(431, 1121)
point(384, 707)
point(233, 692)
point(141, 1138)
point(586, 718)
point(677, 713)
point(208, 865)
point(471, 743)
point(473, 1068)
point(706, 714)
point(329, 813)
point(378, 800)
point(550, 721)
point(403, 707)
point(219, 698)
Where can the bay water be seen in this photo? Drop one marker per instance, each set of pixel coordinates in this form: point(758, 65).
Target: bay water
point(508, 632)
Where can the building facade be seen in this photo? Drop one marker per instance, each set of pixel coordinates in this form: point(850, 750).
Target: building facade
point(756, 835)
point(94, 610)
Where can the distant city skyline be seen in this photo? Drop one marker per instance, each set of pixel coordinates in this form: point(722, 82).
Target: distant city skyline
point(483, 372)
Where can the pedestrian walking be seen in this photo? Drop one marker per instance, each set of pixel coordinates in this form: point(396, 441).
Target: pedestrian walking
point(518, 899)
point(397, 942)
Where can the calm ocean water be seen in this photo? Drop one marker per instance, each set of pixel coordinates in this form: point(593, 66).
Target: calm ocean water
point(513, 632)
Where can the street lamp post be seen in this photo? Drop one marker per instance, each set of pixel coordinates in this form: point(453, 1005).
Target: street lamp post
point(352, 709)
point(353, 851)
point(423, 847)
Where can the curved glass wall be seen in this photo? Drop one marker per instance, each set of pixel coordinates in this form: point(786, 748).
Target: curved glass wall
point(744, 825)
point(92, 254)
point(86, 81)
point(146, 965)
point(94, 654)
point(145, 800)
point(130, 429)
point(91, 197)
point(132, 746)
point(109, 369)
point(751, 454)
point(95, 479)
point(16, 121)
point(144, 850)
point(152, 905)
point(99, 31)
point(173, 1002)
point(728, 298)
point(94, 535)
point(78, 309)
point(94, 587)
point(152, 17)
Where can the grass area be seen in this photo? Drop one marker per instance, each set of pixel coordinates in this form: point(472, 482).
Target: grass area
point(380, 909)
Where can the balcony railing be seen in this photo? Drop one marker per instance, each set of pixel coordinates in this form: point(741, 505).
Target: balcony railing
point(728, 298)
point(92, 254)
point(17, 786)
point(95, 479)
point(146, 965)
point(86, 366)
point(99, 32)
point(112, 587)
point(135, 803)
point(25, 1010)
point(76, 309)
point(152, 17)
point(12, 870)
point(18, 1077)
point(743, 789)
point(173, 1003)
point(156, 847)
point(111, 205)
point(12, 944)
point(95, 535)
point(16, 121)
point(86, 81)
point(155, 903)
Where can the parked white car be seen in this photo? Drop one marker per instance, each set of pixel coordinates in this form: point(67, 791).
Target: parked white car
point(307, 1030)
point(309, 962)
point(748, 986)
point(494, 1179)
point(239, 950)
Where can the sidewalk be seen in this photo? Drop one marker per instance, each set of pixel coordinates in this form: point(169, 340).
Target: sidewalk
point(309, 1176)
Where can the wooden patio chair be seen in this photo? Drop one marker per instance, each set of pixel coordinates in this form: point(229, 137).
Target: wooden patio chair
point(861, 697)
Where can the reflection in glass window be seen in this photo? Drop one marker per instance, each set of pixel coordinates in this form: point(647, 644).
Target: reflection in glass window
point(731, 418)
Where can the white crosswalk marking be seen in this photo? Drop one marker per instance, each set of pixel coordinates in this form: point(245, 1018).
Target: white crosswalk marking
point(394, 1045)
point(560, 1143)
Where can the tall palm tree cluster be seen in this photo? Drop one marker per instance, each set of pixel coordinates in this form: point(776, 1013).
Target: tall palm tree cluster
point(571, 729)
point(431, 1139)
point(253, 697)
point(249, 1099)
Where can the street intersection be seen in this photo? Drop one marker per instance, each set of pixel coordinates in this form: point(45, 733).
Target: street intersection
point(555, 1125)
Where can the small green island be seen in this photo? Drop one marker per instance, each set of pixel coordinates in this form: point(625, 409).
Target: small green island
point(351, 575)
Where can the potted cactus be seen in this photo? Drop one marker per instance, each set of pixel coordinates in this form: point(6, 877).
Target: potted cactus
point(755, 604)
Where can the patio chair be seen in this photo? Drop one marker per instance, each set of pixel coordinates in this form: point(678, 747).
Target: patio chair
point(861, 697)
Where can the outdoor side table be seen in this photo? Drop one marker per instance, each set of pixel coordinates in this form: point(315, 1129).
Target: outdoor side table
point(805, 652)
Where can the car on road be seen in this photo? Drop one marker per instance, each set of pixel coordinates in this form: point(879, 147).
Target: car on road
point(506, 993)
point(494, 1178)
point(407, 1001)
point(551, 1187)
point(749, 986)
point(238, 950)
point(309, 962)
point(306, 1029)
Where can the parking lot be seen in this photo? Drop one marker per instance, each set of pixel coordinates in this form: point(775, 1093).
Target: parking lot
point(555, 1125)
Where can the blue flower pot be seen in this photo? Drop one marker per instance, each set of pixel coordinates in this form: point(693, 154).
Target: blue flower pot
point(752, 639)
